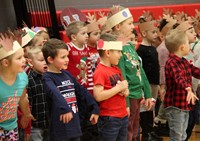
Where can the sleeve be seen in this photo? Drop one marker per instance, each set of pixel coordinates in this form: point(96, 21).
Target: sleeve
point(195, 71)
point(163, 55)
point(54, 94)
point(84, 95)
point(30, 91)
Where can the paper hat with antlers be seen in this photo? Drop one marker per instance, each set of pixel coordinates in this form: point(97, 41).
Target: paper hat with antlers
point(148, 22)
point(117, 17)
point(184, 26)
point(169, 25)
point(8, 45)
point(109, 45)
point(93, 24)
point(196, 21)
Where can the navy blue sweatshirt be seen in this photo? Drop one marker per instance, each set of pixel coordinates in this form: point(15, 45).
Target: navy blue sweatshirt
point(64, 93)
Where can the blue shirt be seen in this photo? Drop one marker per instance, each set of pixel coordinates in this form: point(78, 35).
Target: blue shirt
point(9, 99)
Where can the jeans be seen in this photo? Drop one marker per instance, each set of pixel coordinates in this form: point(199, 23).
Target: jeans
point(112, 128)
point(178, 122)
point(74, 139)
point(39, 134)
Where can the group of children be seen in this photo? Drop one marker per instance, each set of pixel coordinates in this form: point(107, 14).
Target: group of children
point(98, 86)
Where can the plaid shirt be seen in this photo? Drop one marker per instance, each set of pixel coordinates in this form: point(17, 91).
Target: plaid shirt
point(178, 73)
point(37, 100)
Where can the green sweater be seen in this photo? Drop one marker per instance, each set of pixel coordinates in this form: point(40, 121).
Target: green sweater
point(131, 67)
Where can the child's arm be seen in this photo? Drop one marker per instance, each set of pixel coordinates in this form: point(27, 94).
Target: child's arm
point(100, 94)
point(24, 106)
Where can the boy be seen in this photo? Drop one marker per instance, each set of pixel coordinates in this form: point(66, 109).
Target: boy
point(36, 95)
point(179, 96)
point(64, 94)
point(110, 90)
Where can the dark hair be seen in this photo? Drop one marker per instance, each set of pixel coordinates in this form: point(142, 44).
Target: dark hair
point(50, 48)
point(163, 23)
point(135, 32)
point(175, 25)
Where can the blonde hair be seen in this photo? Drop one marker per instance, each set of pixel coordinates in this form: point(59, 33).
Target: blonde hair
point(174, 39)
point(34, 51)
point(74, 27)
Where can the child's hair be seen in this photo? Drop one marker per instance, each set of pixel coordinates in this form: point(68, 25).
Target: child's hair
point(34, 51)
point(135, 33)
point(162, 24)
point(174, 39)
point(106, 37)
point(50, 48)
point(74, 27)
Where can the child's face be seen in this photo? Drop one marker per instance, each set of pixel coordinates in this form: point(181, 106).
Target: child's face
point(152, 36)
point(38, 63)
point(45, 35)
point(190, 33)
point(18, 61)
point(114, 56)
point(38, 40)
point(133, 39)
point(94, 37)
point(127, 27)
point(81, 37)
point(61, 60)
point(186, 48)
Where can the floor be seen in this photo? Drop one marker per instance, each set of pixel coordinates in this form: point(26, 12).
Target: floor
point(195, 135)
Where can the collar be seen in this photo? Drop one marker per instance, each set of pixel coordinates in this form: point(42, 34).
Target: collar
point(35, 74)
point(176, 57)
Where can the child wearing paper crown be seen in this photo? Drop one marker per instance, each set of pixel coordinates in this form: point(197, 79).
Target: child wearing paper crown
point(13, 81)
point(179, 95)
point(166, 24)
point(111, 90)
point(120, 21)
point(149, 56)
point(187, 28)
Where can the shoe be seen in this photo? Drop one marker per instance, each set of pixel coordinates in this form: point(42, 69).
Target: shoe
point(155, 135)
point(149, 137)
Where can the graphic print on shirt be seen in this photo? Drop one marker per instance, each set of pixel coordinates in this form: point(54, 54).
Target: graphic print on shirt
point(8, 109)
point(82, 71)
point(135, 63)
point(69, 94)
point(114, 79)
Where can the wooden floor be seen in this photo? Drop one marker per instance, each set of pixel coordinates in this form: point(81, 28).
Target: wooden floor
point(195, 134)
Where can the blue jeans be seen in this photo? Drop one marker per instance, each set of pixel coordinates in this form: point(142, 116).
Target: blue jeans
point(112, 128)
point(39, 134)
point(178, 122)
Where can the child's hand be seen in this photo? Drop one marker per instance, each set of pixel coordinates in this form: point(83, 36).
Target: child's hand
point(94, 118)
point(128, 111)
point(26, 119)
point(65, 118)
point(149, 104)
point(122, 85)
point(124, 93)
point(191, 97)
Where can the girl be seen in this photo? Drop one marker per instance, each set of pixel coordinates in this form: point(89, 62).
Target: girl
point(12, 88)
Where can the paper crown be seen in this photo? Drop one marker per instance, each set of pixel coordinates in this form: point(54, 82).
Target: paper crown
point(93, 24)
point(109, 45)
point(118, 18)
point(93, 27)
point(184, 26)
point(169, 25)
point(38, 29)
point(150, 25)
point(27, 37)
point(7, 46)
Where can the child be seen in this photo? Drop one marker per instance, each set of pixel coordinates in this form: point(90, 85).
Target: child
point(149, 56)
point(121, 22)
point(36, 95)
point(110, 91)
point(12, 88)
point(78, 51)
point(179, 96)
point(64, 93)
